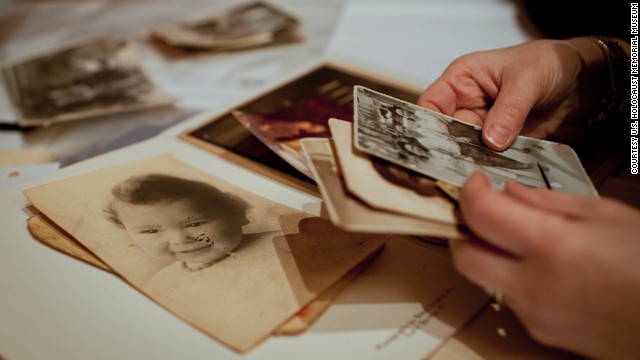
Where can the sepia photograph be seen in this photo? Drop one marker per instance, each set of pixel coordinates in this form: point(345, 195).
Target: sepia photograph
point(349, 212)
point(270, 135)
point(249, 25)
point(381, 185)
point(91, 78)
point(450, 150)
point(217, 256)
point(267, 130)
point(282, 129)
point(51, 235)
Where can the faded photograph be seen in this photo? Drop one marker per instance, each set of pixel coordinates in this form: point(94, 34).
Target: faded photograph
point(175, 219)
point(217, 256)
point(91, 78)
point(449, 150)
point(253, 24)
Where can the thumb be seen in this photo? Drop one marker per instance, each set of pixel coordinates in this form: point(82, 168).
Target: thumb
point(507, 115)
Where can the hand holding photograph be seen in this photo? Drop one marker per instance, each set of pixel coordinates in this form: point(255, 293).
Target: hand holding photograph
point(94, 77)
point(217, 256)
point(449, 150)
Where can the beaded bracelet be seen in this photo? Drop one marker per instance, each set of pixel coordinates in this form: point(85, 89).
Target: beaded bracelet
point(614, 102)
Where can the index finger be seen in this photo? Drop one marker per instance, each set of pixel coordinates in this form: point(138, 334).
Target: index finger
point(439, 97)
point(502, 220)
point(506, 117)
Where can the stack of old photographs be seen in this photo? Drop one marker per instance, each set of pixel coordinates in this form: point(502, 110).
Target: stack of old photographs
point(388, 170)
point(246, 26)
point(89, 78)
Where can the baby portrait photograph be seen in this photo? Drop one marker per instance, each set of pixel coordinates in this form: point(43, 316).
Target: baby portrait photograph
point(215, 255)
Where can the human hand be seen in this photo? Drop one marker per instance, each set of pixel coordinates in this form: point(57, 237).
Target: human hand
point(498, 89)
point(567, 265)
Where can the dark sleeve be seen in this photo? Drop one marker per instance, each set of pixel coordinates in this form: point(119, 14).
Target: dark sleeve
point(563, 19)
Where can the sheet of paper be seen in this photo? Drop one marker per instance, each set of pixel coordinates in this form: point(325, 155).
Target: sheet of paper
point(402, 320)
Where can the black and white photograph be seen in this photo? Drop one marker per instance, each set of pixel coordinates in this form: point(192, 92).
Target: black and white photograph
point(248, 25)
point(93, 77)
point(450, 150)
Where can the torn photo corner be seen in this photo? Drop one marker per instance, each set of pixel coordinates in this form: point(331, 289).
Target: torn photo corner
point(450, 150)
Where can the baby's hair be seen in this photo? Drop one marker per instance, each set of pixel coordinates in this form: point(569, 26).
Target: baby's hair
point(162, 189)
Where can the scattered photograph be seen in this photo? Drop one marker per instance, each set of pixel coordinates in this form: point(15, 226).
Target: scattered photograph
point(95, 77)
point(215, 255)
point(249, 25)
point(449, 150)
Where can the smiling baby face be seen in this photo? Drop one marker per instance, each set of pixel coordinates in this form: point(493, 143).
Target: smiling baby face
point(179, 231)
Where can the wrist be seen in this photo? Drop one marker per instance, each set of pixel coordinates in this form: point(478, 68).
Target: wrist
point(603, 81)
point(613, 104)
point(592, 78)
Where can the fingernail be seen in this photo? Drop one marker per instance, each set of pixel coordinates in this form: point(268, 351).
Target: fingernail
point(498, 135)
